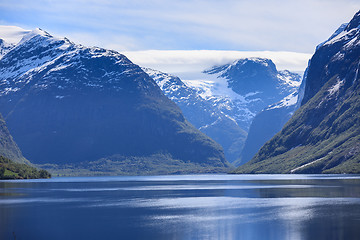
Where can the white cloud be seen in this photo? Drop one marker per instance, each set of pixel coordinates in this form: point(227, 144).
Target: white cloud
point(189, 64)
point(276, 25)
point(12, 34)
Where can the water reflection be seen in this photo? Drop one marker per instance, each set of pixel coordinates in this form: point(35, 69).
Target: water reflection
point(182, 207)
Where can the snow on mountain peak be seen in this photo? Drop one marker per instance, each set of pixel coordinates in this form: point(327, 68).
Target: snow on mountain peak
point(33, 33)
point(345, 32)
point(263, 61)
point(43, 35)
point(41, 56)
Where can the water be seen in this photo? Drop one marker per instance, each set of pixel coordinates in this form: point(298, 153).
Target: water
point(182, 207)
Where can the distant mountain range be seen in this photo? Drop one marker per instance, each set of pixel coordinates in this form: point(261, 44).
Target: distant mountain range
point(219, 104)
point(258, 80)
point(75, 109)
point(323, 135)
point(69, 104)
point(210, 115)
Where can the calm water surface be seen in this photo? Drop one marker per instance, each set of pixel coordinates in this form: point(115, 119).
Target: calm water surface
point(182, 207)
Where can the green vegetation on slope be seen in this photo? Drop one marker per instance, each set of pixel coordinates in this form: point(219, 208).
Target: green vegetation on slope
point(156, 164)
point(12, 170)
point(8, 147)
point(323, 136)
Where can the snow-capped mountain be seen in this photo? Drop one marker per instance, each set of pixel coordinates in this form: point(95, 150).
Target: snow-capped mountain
point(271, 119)
point(213, 115)
point(322, 136)
point(67, 103)
point(43, 62)
point(214, 107)
point(258, 81)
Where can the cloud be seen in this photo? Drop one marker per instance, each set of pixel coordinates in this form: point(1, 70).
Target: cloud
point(188, 64)
point(187, 24)
point(12, 34)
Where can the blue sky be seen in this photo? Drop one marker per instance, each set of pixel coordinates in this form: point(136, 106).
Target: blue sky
point(245, 25)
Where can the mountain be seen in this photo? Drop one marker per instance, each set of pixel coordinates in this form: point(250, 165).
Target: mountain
point(13, 165)
point(206, 114)
point(4, 47)
point(8, 147)
point(258, 81)
point(260, 85)
point(215, 106)
point(323, 135)
point(69, 104)
point(265, 125)
point(14, 170)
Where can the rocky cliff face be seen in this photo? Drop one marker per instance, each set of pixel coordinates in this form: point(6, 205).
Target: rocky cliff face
point(206, 114)
point(218, 104)
point(266, 124)
point(323, 136)
point(8, 147)
point(66, 103)
point(258, 80)
point(270, 96)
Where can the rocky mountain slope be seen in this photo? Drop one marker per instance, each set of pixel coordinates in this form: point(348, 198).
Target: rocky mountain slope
point(206, 114)
point(323, 136)
point(13, 165)
point(258, 81)
point(65, 103)
point(265, 125)
point(217, 107)
point(8, 147)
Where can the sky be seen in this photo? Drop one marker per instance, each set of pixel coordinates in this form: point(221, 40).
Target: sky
point(141, 25)
point(250, 25)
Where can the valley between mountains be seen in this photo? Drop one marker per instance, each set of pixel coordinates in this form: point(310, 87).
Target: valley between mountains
point(77, 110)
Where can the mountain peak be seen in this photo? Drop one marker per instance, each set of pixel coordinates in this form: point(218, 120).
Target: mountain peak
point(345, 32)
point(354, 23)
point(263, 63)
point(255, 60)
point(323, 135)
point(38, 32)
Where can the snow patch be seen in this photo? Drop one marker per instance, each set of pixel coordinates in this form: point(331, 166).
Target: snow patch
point(210, 85)
point(288, 101)
point(308, 164)
point(343, 35)
point(9, 90)
point(334, 89)
point(287, 78)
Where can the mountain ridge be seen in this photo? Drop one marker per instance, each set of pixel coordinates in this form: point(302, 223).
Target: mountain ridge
point(204, 113)
point(93, 103)
point(323, 136)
